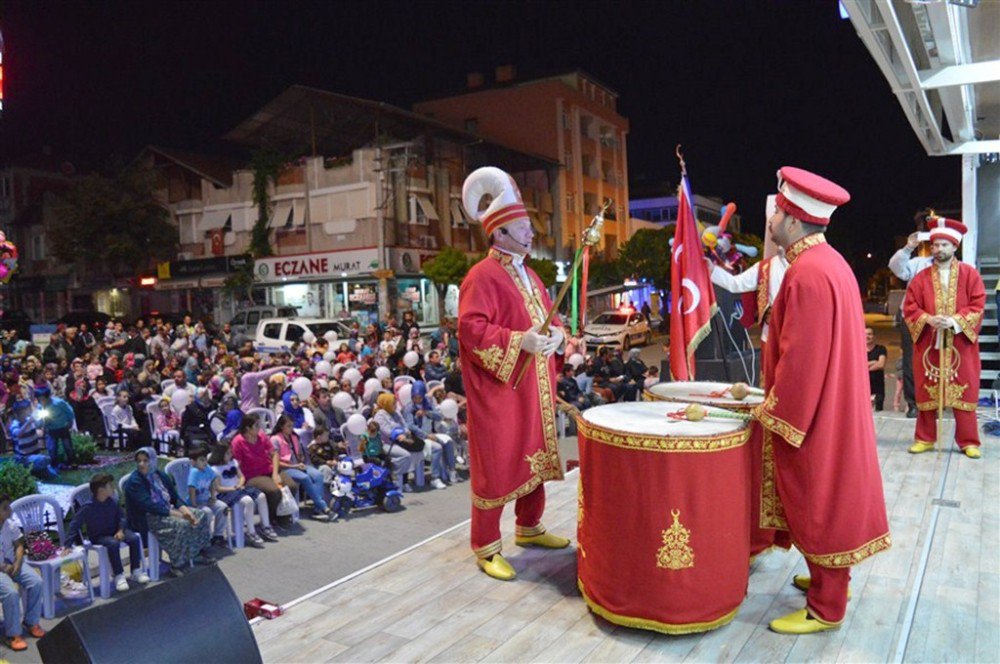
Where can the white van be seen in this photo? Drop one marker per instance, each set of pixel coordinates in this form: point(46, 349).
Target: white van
point(245, 321)
point(279, 334)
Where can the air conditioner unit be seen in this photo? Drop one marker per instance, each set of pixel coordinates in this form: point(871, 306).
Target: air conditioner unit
point(185, 256)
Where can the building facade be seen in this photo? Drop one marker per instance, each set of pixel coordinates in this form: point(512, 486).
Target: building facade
point(570, 118)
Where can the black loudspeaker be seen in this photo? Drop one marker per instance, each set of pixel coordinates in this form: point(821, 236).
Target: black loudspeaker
point(196, 618)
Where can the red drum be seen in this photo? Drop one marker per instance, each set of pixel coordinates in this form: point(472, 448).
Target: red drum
point(663, 517)
point(700, 392)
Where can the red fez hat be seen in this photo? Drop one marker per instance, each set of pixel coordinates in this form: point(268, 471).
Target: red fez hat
point(946, 229)
point(808, 197)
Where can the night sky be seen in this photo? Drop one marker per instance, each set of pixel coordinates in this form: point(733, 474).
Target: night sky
point(746, 87)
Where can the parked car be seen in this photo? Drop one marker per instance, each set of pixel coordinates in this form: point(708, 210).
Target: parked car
point(620, 327)
point(245, 322)
point(279, 334)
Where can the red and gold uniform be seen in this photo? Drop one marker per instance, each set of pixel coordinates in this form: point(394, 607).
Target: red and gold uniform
point(821, 478)
point(957, 292)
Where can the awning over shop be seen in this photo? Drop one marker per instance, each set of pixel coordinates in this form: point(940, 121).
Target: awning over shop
point(427, 207)
point(458, 217)
point(282, 213)
point(213, 220)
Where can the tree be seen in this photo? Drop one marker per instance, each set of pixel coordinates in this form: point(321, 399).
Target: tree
point(447, 268)
point(266, 166)
point(113, 223)
point(647, 255)
point(545, 269)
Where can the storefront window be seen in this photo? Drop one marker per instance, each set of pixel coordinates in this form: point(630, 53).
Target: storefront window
point(304, 297)
point(419, 296)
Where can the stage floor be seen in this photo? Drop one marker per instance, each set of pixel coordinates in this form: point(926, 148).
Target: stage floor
point(935, 596)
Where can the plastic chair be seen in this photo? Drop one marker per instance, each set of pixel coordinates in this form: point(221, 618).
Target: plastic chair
point(80, 496)
point(353, 442)
point(116, 439)
point(169, 441)
point(41, 513)
point(433, 385)
point(153, 566)
point(179, 469)
point(266, 416)
point(401, 379)
point(216, 425)
point(165, 384)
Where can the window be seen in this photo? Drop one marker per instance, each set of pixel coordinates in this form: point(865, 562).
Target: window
point(294, 332)
point(253, 317)
point(239, 319)
point(38, 247)
point(272, 330)
point(565, 120)
point(570, 203)
point(472, 125)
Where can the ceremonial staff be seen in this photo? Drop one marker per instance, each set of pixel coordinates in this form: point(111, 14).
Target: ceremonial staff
point(944, 369)
point(591, 237)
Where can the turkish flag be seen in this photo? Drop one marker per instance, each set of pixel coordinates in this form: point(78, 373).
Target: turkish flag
point(692, 296)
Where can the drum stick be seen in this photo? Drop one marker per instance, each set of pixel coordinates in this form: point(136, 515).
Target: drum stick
point(695, 412)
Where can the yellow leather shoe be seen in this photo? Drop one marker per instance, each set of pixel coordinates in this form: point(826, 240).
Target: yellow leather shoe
point(800, 622)
point(972, 452)
point(804, 582)
point(919, 448)
point(497, 567)
point(545, 541)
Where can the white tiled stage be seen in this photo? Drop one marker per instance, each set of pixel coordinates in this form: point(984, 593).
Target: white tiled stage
point(934, 597)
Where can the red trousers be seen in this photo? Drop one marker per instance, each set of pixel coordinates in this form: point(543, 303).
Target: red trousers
point(486, 523)
point(966, 427)
point(827, 596)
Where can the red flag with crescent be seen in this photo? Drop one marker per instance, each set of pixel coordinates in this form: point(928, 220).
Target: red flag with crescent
point(692, 296)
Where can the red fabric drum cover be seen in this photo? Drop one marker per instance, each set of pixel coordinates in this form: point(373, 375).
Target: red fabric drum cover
point(663, 517)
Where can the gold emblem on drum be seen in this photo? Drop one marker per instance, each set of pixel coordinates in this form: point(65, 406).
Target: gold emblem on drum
point(675, 552)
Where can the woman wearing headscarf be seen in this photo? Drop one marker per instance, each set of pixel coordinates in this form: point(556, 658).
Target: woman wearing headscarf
point(153, 505)
point(404, 452)
point(302, 418)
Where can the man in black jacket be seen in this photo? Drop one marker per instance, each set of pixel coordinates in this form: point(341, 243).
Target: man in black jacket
point(195, 427)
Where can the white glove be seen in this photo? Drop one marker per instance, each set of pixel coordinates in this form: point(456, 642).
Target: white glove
point(556, 338)
point(532, 342)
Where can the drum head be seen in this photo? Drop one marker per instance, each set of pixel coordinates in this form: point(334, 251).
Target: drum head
point(649, 418)
point(699, 392)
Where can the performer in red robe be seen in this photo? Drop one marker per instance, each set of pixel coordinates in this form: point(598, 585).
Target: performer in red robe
point(821, 478)
point(948, 297)
point(513, 444)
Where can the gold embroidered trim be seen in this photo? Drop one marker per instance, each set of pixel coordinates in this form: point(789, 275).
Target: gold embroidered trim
point(800, 246)
point(917, 326)
point(956, 405)
point(654, 443)
point(523, 490)
point(849, 558)
point(793, 436)
point(543, 462)
point(579, 503)
point(654, 625)
point(510, 357)
point(969, 322)
point(944, 302)
point(763, 289)
point(772, 512)
point(675, 553)
point(952, 393)
point(490, 357)
point(529, 531)
point(490, 549)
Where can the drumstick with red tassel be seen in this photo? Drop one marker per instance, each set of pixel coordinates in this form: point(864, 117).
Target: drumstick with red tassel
point(695, 412)
point(738, 391)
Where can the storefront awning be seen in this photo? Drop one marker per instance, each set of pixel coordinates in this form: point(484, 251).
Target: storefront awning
point(427, 207)
point(458, 217)
point(213, 220)
point(282, 211)
point(299, 214)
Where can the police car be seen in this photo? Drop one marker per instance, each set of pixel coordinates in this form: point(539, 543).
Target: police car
point(278, 334)
point(623, 327)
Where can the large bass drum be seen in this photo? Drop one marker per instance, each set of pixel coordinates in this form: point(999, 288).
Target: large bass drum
point(701, 392)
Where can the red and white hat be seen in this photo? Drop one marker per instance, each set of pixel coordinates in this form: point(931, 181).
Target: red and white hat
point(808, 197)
point(507, 204)
point(946, 229)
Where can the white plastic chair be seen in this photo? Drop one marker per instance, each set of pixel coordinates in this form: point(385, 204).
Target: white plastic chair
point(153, 566)
point(433, 385)
point(216, 425)
point(40, 513)
point(80, 496)
point(116, 439)
point(266, 417)
point(167, 442)
point(166, 384)
point(179, 469)
point(402, 379)
point(353, 442)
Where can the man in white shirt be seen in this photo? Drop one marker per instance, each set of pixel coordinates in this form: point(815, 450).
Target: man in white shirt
point(905, 267)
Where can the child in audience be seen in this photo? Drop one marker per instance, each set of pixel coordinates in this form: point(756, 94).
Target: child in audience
point(102, 520)
point(203, 491)
point(652, 377)
point(123, 421)
point(231, 489)
point(12, 572)
point(324, 453)
point(371, 445)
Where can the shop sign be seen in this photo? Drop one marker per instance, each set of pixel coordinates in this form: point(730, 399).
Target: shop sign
point(412, 294)
point(363, 296)
point(325, 265)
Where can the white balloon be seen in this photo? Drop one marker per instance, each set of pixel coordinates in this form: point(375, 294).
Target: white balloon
point(411, 359)
point(323, 368)
point(309, 337)
point(404, 395)
point(372, 385)
point(449, 409)
point(343, 401)
point(382, 373)
point(179, 400)
point(303, 387)
point(357, 424)
point(337, 368)
point(330, 336)
point(329, 356)
point(575, 360)
point(352, 375)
